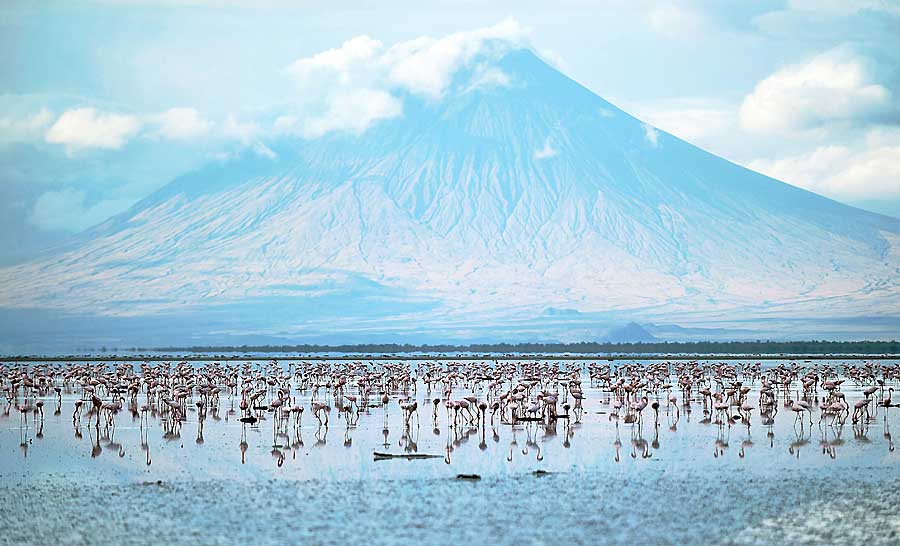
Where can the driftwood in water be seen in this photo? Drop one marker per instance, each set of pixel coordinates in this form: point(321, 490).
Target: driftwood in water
point(408, 456)
point(541, 419)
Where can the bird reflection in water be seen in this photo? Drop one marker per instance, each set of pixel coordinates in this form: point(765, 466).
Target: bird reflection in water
point(533, 398)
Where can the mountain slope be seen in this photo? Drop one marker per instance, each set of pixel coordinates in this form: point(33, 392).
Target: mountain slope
point(477, 211)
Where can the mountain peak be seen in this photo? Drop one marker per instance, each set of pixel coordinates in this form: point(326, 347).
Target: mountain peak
point(515, 192)
point(630, 333)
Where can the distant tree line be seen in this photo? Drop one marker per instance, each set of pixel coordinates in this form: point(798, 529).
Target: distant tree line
point(586, 347)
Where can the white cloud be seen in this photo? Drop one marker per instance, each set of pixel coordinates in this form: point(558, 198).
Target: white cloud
point(353, 111)
point(554, 59)
point(285, 124)
point(180, 124)
point(247, 134)
point(868, 170)
point(697, 120)
point(426, 65)
point(835, 86)
point(66, 210)
point(25, 129)
point(83, 128)
point(546, 152)
point(350, 87)
point(341, 89)
point(342, 62)
point(486, 77)
point(848, 164)
point(651, 135)
point(87, 128)
point(244, 132)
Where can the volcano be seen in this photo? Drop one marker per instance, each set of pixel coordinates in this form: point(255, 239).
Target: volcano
point(526, 208)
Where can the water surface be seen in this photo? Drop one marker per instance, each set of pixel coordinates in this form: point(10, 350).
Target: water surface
point(675, 480)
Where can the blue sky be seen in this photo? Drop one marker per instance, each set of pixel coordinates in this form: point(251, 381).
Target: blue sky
point(102, 102)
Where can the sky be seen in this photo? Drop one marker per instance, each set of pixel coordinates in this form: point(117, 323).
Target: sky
point(102, 102)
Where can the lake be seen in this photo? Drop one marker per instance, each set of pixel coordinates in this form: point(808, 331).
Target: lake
point(151, 473)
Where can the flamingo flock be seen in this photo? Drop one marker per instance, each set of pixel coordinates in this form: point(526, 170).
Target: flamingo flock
point(464, 398)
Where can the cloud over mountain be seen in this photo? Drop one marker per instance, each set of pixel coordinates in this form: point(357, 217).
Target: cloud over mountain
point(350, 87)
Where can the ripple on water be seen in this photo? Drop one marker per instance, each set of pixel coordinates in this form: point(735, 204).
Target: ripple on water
point(657, 507)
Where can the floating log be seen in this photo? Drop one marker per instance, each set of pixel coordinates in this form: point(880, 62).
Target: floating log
point(408, 456)
point(541, 419)
point(471, 477)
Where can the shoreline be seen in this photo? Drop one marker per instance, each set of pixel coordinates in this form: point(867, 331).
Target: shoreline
point(467, 358)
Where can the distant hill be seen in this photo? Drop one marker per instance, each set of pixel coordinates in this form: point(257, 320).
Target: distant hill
point(630, 333)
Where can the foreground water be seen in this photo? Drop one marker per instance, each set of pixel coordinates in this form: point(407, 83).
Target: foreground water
point(214, 480)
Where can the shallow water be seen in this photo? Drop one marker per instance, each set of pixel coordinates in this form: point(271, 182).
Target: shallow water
point(684, 481)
